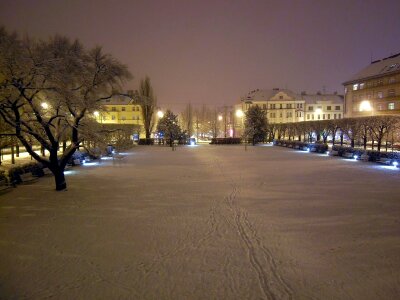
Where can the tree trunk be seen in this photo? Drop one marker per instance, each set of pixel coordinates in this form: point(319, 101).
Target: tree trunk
point(365, 142)
point(341, 139)
point(17, 150)
point(12, 155)
point(352, 143)
point(59, 179)
point(379, 144)
point(333, 139)
point(64, 146)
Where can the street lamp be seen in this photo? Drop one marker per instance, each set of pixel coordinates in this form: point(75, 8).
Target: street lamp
point(160, 114)
point(44, 105)
point(365, 106)
point(96, 114)
point(219, 118)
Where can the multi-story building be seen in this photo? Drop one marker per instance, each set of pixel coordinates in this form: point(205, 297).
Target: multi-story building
point(323, 106)
point(285, 106)
point(120, 110)
point(375, 90)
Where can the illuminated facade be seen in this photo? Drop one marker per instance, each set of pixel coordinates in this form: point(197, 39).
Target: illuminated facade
point(285, 106)
point(375, 90)
point(120, 110)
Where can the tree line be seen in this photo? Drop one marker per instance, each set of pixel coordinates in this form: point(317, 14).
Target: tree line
point(376, 130)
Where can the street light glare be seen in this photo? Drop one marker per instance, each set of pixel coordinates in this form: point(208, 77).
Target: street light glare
point(365, 106)
point(44, 105)
point(160, 114)
point(219, 118)
point(239, 113)
point(96, 113)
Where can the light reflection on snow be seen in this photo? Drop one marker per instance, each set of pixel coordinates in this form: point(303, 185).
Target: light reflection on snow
point(106, 158)
point(70, 172)
point(91, 164)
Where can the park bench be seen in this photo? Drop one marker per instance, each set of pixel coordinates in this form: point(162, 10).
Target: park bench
point(4, 185)
point(333, 153)
point(347, 155)
point(46, 172)
point(384, 160)
point(27, 177)
point(313, 149)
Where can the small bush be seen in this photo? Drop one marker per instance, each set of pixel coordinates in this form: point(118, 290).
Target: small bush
point(225, 141)
point(146, 142)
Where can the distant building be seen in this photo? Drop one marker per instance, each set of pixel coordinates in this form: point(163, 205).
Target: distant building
point(323, 106)
point(375, 90)
point(285, 106)
point(120, 110)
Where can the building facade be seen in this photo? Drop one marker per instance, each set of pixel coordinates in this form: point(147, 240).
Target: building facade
point(120, 110)
point(375, 90)
point(285, 106)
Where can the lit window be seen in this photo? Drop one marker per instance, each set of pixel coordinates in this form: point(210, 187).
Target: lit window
point(355, 87)
point(391, 92)
point(380, 107)
point(362, 85)
point(391, 105)
point(380, 95)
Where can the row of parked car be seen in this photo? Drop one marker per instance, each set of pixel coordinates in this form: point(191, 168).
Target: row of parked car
point(386, 158)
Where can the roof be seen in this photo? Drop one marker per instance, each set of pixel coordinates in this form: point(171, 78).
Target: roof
point(118, 100)
point(313, 99)
point(267, 94)
point(378, 68)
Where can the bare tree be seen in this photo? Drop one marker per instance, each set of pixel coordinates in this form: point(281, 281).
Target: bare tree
point(48, 89)
point(381, 126)
point(148, 102)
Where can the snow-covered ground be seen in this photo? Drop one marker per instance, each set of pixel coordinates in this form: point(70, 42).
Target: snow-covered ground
point(206, 222)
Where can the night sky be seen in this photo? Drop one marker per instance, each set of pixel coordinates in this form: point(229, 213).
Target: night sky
point(213, 52)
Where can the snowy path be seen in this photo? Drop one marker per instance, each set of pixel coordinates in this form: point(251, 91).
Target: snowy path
point(208, 222)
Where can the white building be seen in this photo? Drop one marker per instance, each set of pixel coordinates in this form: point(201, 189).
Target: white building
point(285, 106)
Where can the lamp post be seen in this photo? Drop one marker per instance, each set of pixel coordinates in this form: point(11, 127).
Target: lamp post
point(239, 113)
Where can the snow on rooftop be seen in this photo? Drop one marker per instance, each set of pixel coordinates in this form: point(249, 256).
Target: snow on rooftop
point(382, 67)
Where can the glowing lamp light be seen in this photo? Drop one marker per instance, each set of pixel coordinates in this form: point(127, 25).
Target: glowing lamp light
point(318, 111)
point(365, 106)
point(219, 118)
point(239, 113)
point(44, 105)
point(355, 156)
point(96, 113)
point(308, 149)
point(160, 114)
point(395, 164)
point(192, 143)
